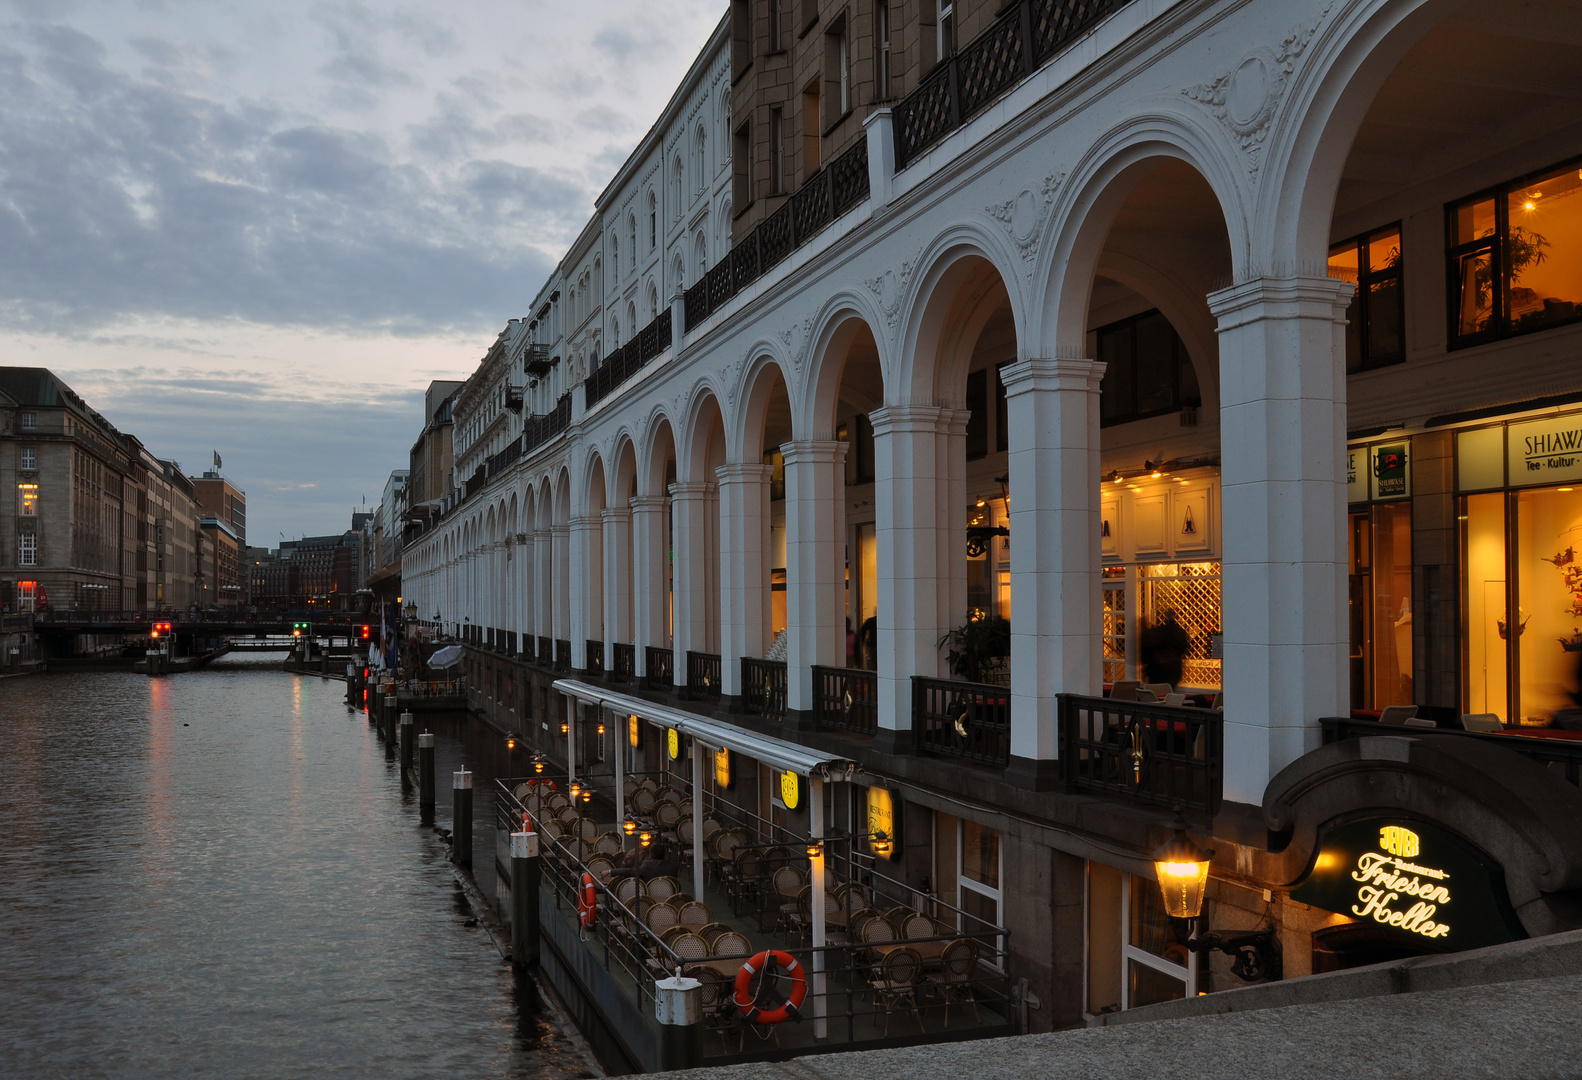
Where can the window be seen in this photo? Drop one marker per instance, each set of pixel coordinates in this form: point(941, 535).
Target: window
point(776, 26)
point(862, 450)
point(29, 457)
point(811, 144)
point(777, 163)
point(837, 74)
point(978, 886)
point(26, 593)
point(1148, 372)
point(977, 414)
point(881, 47)
point(27, 554)
point(631, 234)
point(741, 160)
point(1374, 322)
point(1133, 957)
point(653, 222)
point(1515, 257)
point(945, 29)
point(27, 500)
point(701, 253)
point(615, 256)
point(701, 150)
point(29, 421)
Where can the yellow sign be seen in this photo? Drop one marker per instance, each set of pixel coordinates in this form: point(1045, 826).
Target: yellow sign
point(881, 822)
point(634, 731)
point(673, 743)
point(722, 768)
point(791, 790)
point(1399, 840)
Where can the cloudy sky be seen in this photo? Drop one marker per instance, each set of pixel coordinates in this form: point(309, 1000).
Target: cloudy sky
point(262, 228)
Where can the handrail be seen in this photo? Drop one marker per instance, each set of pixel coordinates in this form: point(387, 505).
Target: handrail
point(968, 720)
point(1167, 755)
point(846, 699)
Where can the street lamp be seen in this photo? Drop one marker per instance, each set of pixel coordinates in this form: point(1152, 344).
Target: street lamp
point(1183, 878)
point(1183, 873)
point(629, 826)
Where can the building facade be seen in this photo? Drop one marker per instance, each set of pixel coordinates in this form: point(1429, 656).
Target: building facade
point(1231, 350)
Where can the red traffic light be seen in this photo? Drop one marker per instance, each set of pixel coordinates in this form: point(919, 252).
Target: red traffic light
point(159, 628)
point(367, 630)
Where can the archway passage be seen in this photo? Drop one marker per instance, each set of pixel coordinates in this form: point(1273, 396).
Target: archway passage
point(652, 542)
point(695, 517)
point(587, 545)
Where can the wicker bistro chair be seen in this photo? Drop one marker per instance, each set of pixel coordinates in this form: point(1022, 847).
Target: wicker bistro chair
point(551, 828)
point(608, 844)
point(723, 864)
point(732, 943)
point(600, 866)
point(747, 878)
point(711, 932)
point(557, 801)
point(588, 830)
point(643, 801)
point(685, 831)
point(719, 1009)
point(859, 919)
point(627, 890)
point(710, 827)
point(523, 791)
point(688, 946)
point(628, 785)
point(788, 883)
point(662, 917)
point(696, 915)
point(671, 795)
point(878, 930)
point(918, 926)
point(662, 888)
point(953, 980)
point(666, 814)
point(670, 935)
point(895, 982)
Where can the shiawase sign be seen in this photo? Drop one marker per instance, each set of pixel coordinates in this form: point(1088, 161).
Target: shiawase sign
point(1414, 880)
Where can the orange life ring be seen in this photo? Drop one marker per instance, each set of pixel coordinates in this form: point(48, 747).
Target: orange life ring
point(766, 962)
point(587, 903)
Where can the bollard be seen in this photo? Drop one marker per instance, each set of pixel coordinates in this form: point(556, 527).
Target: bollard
point(324, 664)
point(524, 897)
point(461, 817)
point(678, 1006)
point(406, 743)
point(387, 720)
point(425, 776)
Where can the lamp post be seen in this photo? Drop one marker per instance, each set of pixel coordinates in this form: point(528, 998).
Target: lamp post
point(1183, 868)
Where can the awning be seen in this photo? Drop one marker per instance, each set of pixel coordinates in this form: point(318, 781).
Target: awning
point(449, 656)
point(776, 753)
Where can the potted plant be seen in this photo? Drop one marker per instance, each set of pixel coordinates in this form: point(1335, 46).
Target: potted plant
point(980, 648)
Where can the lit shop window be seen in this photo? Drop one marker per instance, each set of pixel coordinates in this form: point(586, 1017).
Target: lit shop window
point(1374, 320)
point(27, 500)
point(1515, 256)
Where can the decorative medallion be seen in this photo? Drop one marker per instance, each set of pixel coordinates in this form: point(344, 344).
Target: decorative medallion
point(1023, 217)
point(890, 288)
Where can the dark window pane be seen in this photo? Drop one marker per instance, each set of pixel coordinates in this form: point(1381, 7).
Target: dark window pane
point(1384, 250)
point(1116, 392)
point(1354, 333)
point(864, 450)
point(1156, 365)
point(1149, 987)
point(1384, 323)
point(1001, 410)
point(978, 421)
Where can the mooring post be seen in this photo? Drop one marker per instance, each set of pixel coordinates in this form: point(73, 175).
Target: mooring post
point(678, 1006)
point(324, 664)
point(425, 776)
point(461, 817)
point(406, 744)
point(387, 724)
point(524, 897)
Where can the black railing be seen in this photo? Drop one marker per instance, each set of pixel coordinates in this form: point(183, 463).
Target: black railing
point(1162, 754)
point(562, 654)
point(593, 659)
point(498, 463)
point(962, 720)
point(660, 665)
point(823, 197)
point(764, 687)
point(1561, 756)
point(625, 661)
point(1015, 45)
point(846, 699)
point(703, 675)
point(510, 642)
point(624, 362)
point(540, 429)
point(546, 651)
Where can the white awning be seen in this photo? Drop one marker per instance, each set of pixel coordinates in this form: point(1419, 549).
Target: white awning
point(776, 753)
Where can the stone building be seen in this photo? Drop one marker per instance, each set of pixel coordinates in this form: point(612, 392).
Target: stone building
point(1228, 351)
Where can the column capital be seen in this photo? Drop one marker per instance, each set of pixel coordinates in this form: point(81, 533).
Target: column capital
point(616, 513)
point(649, 502)
point(584, 521)
point(542, 535)
point(691, 489)
point(742, 472)
point(814, 452)
point(1052, 373)
point(1281, 298)
point(914, 418)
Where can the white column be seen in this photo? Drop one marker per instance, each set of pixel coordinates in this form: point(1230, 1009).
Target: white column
point(1283, 484)
point(526, 570)
point(1053, 412)
point(690, 503)
point(815, 563)
point(650, 562)
point(543, 574)
point(919, 460)
point(744, 568)
point(560, 583)
point(587, 591)
point(617, 521)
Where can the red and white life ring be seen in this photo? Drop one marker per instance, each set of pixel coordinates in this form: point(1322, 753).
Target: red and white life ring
point(587, 903)
point(767, 961)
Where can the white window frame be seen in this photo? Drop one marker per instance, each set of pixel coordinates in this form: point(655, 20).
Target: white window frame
point(27, 499)
point(945, 29)
point(27, 595)
point(845, 70)
point(27, 550)
point(1129, 952)
point(964, 882)
point(29, 421)
point(881, 34)
point(29, 457)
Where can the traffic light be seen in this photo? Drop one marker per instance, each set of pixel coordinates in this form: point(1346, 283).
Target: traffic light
point(158, 629)
point(300, 628)
point(367, 631)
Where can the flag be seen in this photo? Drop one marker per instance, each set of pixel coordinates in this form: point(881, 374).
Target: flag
point(216, 461)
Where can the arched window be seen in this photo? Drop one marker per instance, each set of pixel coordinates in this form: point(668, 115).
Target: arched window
point(615, 255)
point(676, 186)
point(631, 233)
point(615, 332)
point(653, 301)
point(653, 222)
point(678, 274)
point(702, 247)
point(631, 316)
point(702, 154)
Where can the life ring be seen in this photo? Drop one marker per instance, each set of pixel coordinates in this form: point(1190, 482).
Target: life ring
point(767, 961)
point(587, 903)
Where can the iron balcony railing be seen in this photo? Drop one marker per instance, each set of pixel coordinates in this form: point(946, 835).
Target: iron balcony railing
point(823, 197)
point(764, 687)
point(972, 721)
point(545, 654)
point(625, 362)
point(562, 654)
point(1022, 39)
point(1167, 755)
point(594, 657)
point(703, 675)
point(1561, 756)
point(845, 699)
point(625, 657)
point(660, 667)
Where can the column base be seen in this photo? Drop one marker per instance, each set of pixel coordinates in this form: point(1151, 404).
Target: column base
point(896, 741)
point(1033, 774)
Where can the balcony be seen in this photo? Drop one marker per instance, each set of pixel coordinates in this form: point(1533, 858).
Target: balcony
point(764, 687)
point(845, 699)
point(536, 361)
point(625, 658)
point(661, 668)
point(593, 660)
point(703, 676)
point(625, 362)
point(1166, 755)
point(545, 654)
point(513, 397)
point(965, 720)
point(562, 654)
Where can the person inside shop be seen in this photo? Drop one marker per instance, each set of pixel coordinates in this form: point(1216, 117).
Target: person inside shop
point(1162, 648)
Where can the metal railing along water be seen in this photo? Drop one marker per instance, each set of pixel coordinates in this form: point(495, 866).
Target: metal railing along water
point(1563, 757)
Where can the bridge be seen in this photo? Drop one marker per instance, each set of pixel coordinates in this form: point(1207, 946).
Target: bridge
point(213, 623)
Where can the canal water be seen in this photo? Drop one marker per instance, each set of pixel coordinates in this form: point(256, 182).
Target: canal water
point(220, 873)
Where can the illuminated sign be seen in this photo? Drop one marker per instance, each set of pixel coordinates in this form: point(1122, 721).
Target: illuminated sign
point(1392, 478)
point(881, 823)
point(1417, 881)
point(634, 731)
point(791, 790)
point(1546, 451)
point(722, 768)
point(673, 743)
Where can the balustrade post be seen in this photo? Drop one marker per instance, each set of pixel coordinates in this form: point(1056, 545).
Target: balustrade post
point(880, 130)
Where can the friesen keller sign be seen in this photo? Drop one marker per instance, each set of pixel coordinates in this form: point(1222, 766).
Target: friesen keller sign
point(1415, 881)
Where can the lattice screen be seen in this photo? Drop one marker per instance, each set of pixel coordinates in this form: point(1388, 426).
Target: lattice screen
point(1192, 590)
point(1114, 631)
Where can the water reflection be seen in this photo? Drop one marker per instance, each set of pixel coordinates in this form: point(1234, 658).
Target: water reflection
point(221, 871)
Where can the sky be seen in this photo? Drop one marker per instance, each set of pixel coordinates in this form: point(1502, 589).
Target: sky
point(261, 229)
